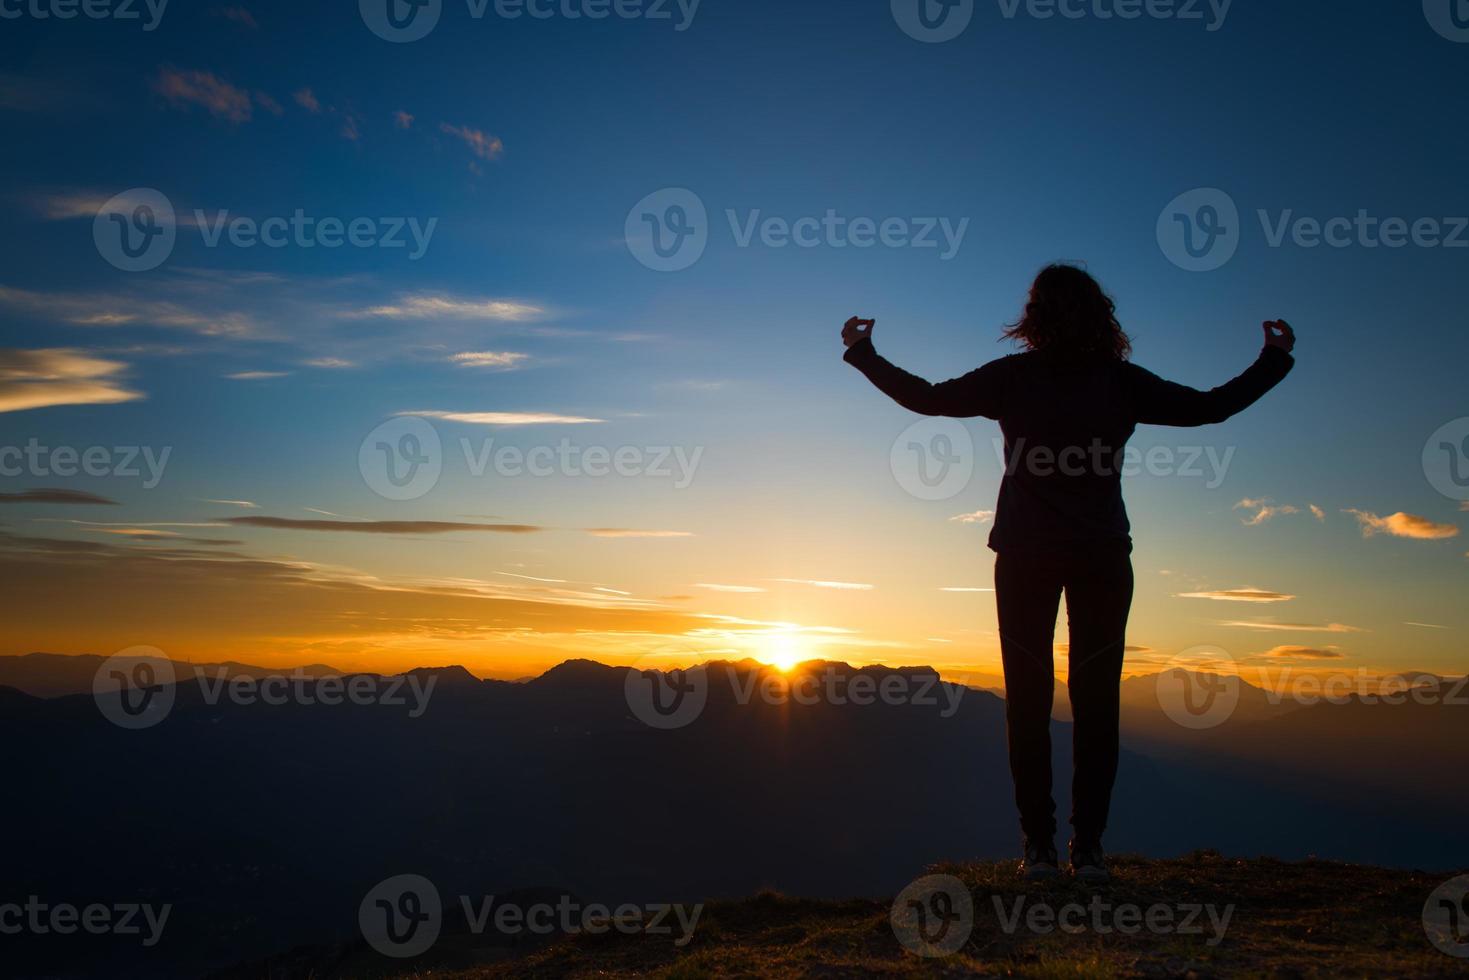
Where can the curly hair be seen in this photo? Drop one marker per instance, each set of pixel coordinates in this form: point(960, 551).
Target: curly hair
point(1069, 313)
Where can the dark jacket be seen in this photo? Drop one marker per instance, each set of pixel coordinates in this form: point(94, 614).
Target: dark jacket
point(1066, 423)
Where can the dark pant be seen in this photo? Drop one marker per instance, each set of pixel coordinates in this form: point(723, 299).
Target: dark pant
point(1098, 596)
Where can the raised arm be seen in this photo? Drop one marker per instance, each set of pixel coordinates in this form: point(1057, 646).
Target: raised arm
point(1160, 402)
point(980, 392)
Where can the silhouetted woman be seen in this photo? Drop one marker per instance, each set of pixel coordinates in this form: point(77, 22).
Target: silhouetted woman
point(1067, 407)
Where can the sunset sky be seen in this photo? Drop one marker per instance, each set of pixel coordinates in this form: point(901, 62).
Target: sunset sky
point(529, 320)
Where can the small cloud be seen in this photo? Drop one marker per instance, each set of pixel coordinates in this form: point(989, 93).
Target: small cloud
point(1264, 509)
point(379, 527)
point(242, 504)
point(822, 584)
point(1237, 595)
point(270, 105)
point(257, 375)
point(1304, 653)
point(403, 120)
point(331, 363)
point(978, 517)
point(58, 376)
point(1292, 627)
point(1318, 513)
point(481, 144)
point(436, 307)
point(489, 359)
point(50, 495)
point(712, 587)
point(504, 418)
point(201, 88)
point(306, 99)
point(1402, 525)
point(239, 15)
point(1427, 626)
point(621, 532)
point(349, 129)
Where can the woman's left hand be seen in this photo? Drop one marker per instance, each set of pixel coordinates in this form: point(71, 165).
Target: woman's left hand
point(854, 331)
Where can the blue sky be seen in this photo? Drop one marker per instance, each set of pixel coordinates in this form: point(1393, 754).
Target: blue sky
point(529, 142)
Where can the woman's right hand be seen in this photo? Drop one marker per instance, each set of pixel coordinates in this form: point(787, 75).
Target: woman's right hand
point(853, 332)
point(1279, 334)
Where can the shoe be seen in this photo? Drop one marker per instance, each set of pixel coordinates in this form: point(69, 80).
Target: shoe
point(1088, 860)
point(1040, 861)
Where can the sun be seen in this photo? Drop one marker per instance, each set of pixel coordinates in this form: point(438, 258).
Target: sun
point(785, 651)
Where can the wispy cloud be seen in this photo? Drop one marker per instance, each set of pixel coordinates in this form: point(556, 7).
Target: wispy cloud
point(713, 587)
point(256, 375)
point(101, 310)
point(978, 517)
point(480, 143)
point(46, 378)
point(1238, 595)
point(963, 588)
point(202, 88)
point(1318, 513)
point(51, 495)
point(379, 527)
point(403, 120)
point(430, 306)
point(1264, 509)
point(489, 359)
point(306, 99)
point(504, 418)
point(623, 532)
point(824, 584)
point(241, 16)
point(1402, 525)
point(242, 504)
point(1292, 627)
point(1426, 626)
point(1304, 653)
point(329, 363)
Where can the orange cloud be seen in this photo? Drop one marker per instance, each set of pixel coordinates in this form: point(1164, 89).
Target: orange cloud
point(202, 88)
point(1402, 525)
